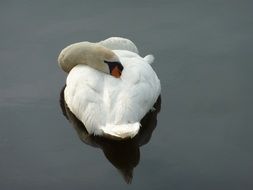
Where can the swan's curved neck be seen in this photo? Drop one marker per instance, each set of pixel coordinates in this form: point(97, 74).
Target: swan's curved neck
point(86, 53)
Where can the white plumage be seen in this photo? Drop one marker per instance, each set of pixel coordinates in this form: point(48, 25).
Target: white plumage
point(110, 106)
point(117, 43)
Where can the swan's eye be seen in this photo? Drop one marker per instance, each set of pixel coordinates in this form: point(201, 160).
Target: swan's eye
point(115, 67)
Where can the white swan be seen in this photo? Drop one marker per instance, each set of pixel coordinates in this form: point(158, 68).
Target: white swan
point(109, 87)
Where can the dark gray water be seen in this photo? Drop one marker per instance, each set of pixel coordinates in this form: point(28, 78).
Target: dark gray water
point(203, 135)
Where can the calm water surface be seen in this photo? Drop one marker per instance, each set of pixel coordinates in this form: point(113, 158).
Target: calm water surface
point(200, 138)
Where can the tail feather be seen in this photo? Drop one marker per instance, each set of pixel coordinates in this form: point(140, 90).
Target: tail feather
point(149, 58)
point(121, 131)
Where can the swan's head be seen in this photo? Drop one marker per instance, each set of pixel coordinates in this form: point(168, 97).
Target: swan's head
point(92, 54)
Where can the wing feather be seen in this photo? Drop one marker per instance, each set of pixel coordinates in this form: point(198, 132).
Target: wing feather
point(118, 43)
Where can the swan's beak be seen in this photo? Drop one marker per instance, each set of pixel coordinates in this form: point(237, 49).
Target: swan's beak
point(115, 67)
point(116, 72)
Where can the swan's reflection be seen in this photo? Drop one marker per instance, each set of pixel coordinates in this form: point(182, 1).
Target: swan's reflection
point(124, 155)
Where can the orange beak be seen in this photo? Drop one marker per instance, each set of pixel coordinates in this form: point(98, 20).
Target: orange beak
point(115, 67)
point(116, 72)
